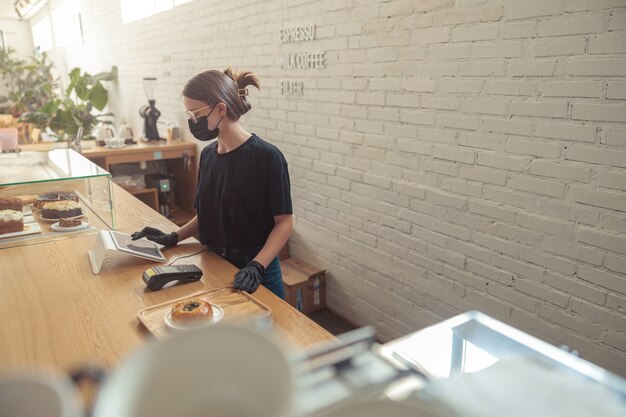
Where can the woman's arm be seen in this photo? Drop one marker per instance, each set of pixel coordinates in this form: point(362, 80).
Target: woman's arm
point(188, 230)
point(283, 225)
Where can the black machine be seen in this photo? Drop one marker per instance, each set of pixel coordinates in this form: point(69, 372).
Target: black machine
point(150, 113)
point(157, 276)
point(163, 185)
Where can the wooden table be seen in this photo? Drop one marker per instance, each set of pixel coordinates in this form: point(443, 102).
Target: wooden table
point(57, 313)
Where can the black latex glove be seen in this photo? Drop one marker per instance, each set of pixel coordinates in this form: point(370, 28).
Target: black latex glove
point(249, 277)
point(155, 235)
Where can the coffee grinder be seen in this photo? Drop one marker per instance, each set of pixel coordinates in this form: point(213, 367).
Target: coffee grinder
point(150, 113)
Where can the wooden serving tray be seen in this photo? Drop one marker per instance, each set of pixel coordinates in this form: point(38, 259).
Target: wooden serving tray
point(238, 307)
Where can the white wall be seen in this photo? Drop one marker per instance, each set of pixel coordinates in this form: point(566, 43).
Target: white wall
point(453, 154)
point(17, 36)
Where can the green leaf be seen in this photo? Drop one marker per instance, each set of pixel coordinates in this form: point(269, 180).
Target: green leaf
point(98, 96)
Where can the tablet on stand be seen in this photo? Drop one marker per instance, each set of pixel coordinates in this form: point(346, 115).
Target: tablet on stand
point(111, 241)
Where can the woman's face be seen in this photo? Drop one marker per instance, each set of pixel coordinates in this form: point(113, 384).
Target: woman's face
point(197, 109)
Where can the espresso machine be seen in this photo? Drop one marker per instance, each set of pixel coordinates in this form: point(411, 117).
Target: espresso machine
point(149, 112)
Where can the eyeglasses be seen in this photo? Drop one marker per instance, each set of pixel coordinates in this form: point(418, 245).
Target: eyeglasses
point(191, 114)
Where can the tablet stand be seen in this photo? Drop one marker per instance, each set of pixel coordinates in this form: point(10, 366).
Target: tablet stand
point(106, 245)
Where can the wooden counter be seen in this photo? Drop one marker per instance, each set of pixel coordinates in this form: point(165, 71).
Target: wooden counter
point(56, 313)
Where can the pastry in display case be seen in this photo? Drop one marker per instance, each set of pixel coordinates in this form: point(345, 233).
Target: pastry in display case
point(58, 188)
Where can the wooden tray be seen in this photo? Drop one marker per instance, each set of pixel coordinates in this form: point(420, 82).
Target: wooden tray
point(238, 307)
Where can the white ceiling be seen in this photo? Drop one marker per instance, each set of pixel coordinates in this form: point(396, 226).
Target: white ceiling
point(7, 11)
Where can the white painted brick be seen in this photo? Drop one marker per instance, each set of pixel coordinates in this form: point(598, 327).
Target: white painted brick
point(501, 49)
point(512, 297)
point(518, 30)
point(603, 278)
point(560, 170)
point(571, 25)
point(573, 89)
point(599, 112)
point(542, 292)
point(493, 211)
point(417, 117)
point(610, 200)
point(612, 179)
point(616, 90)
point(403, 100)
point(412, 146)
point(550, 262)
point(464, 277)
point(440, 167)
point(512, 198)
point(430, 35)
point(391, 115)
point(436, 135)
point(533, 147)
point(419, 85)
point(559, 47)
point(454, 154)
point(482, 141)
point(462, 187)
point(535, 68)
point(573, 250)
point(571, 322)
point(576, 287)
point(617, 21)
point(616, 263)
point(614, 136)
point(502, 161)
point(534, 8)
point(615, 223)
point(596, 67)
point(546, 225)
point(486, 106)
point(483, 68)
point(602, 239)
point(561, 210)
point(512, 88)
point(442, 103)
point(567, 131)
point(518, 234)
point(539, 108)
point(447, 256)
point(488, 176)
point(584, 5)
point(616, 302)
point(474, 33)
point(497, 244)
point(449, 51)
point(514, 127)
point(491, 305)
point(597, 314)
point(458, 122)
point(595, 155)
point(490, 272)
point(453, 17)
point(608, 44)
point(461, 86)
point(445, 199)
point(522, 268)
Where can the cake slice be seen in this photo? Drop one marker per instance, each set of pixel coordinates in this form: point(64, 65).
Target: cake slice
point(61, 210)
point(11, 221)
point(11, 204)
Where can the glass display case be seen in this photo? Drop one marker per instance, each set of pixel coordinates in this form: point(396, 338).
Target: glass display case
point(49, 187)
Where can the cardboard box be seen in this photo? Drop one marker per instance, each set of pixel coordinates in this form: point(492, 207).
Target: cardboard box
point(305, 285)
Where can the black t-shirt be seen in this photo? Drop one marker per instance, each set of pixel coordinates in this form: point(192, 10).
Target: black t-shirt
point(240, 192)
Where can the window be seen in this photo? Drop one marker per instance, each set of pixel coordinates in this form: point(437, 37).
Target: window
point(138, 9)
point(66, 23)
point(42, 34)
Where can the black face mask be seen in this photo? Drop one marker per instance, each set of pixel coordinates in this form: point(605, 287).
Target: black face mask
point(200, 130)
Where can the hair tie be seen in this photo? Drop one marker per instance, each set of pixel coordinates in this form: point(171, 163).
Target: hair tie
point(242, 92)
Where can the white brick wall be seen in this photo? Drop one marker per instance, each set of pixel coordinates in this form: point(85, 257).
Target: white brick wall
point(453, 154)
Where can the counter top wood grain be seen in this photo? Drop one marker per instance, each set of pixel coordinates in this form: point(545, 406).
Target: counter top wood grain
point(56, 313)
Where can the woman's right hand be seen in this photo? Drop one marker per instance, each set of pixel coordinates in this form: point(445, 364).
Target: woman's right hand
point(157, 236)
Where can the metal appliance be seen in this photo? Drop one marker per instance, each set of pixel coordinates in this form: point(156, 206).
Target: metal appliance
point(149, 112)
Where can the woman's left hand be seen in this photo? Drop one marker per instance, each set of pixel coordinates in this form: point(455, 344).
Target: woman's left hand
point(249, 277)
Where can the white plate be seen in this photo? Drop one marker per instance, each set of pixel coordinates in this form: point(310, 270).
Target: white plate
point(81, 226)
point(218, 314)
point(115, 147)
point(56, 220)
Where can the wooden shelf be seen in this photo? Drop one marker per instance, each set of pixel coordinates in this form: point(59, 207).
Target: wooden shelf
point(148, 195)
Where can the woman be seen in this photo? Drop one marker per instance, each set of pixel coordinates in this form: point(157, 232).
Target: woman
point(243, 199)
